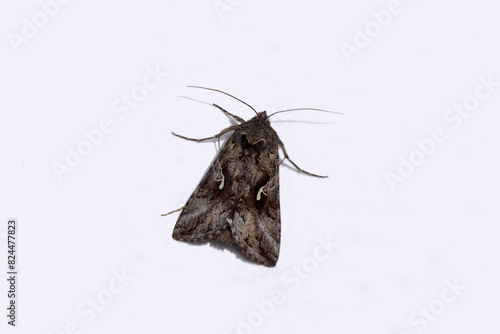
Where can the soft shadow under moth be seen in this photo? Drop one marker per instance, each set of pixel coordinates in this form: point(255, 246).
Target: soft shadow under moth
point(237, 200)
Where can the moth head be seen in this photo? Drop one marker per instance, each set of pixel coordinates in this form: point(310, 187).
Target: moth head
point(262, 117)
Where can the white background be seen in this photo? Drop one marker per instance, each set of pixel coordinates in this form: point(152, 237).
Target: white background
point(396, 247)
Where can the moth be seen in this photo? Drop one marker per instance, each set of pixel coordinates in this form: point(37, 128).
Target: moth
point(237, 200)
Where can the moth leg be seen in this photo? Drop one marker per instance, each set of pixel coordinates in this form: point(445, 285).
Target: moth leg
point(263, 190)
point(237, 118)
point(219, 177)
point(166, 214)
point(226, 130)
point(293, 163)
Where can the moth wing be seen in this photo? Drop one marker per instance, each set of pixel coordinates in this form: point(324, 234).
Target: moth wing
point(206, 211)
point(256, 227)
point(239, 193)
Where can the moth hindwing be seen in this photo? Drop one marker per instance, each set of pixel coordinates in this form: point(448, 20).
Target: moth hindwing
point(237, 200)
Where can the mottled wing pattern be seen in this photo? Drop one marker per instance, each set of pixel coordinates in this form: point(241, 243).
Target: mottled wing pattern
point(239, 193)
point(259, 235)
point(205, 214)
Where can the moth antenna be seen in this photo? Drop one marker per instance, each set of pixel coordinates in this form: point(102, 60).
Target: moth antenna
point(237, 118)
point(192, 99)
point(332, 112)
point(220, 91)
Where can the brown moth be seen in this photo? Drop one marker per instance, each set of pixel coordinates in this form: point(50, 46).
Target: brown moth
point(237, 200)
